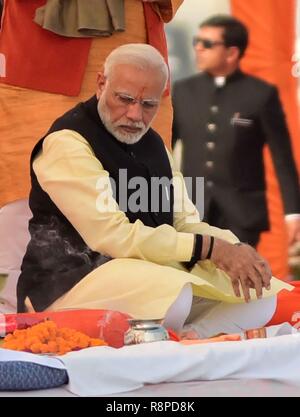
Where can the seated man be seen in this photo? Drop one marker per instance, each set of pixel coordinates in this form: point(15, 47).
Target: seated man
point(103, 235)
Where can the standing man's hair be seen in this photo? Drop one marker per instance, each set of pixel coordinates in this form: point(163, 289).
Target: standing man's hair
point(235, 32)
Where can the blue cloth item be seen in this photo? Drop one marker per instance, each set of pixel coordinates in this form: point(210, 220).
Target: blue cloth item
point(23, 376)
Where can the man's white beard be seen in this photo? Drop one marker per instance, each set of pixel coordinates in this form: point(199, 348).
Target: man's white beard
point(129, 138)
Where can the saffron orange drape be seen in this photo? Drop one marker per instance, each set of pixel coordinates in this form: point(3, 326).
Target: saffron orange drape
point(26, 114)
point(272, 27)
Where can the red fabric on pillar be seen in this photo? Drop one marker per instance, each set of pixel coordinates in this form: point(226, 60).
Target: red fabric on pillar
point(156, 33)
point(272, 39)
point(155, 30)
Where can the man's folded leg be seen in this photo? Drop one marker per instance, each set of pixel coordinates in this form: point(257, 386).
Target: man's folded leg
point(220, 317)
point(209, 318)
point(147, 290)
point(142, 289)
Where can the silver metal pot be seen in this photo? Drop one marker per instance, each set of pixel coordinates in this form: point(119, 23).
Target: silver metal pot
point(145, 331)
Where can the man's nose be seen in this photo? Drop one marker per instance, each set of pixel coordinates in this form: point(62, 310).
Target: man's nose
point(135, 112)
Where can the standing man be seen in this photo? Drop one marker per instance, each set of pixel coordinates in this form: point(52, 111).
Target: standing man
point(224, 118)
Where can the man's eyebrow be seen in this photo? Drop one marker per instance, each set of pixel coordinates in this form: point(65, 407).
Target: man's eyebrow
point(147, 99)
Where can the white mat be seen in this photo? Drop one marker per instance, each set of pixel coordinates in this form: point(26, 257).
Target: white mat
point(107, 371)
point(104, 371)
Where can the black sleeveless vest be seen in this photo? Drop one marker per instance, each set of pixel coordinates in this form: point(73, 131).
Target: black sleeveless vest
point(57, 258)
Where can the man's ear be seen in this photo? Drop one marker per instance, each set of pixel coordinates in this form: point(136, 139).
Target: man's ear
point(101, 80)
point(233, 54)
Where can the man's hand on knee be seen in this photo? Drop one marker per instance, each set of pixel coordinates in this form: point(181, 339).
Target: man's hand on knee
point(245, 267)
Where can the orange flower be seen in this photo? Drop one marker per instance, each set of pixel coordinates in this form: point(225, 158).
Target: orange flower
point(46, 337)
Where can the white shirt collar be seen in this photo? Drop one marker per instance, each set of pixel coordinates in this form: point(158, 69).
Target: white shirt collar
point(220, 81)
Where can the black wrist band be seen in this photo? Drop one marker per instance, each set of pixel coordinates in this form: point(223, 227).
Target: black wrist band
point(211, 246)
point(196, 252)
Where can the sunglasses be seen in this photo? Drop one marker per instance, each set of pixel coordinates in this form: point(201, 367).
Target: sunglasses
point(206, 43)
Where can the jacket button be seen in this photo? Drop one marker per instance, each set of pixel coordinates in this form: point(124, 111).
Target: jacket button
point(132, 154)
point(210, 145)
point(214, 109)
point(209, 184)
point(209, 164)
point(212, 127)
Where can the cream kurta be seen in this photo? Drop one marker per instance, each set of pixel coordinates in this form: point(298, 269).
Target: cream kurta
point(25, 115)
point(146, 276)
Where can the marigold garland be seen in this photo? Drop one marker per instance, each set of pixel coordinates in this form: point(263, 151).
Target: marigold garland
point(46, 337)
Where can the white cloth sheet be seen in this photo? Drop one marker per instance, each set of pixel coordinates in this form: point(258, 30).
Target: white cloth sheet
point(105, 371)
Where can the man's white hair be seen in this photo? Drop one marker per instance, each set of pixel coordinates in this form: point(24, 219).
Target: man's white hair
point(142, 56)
